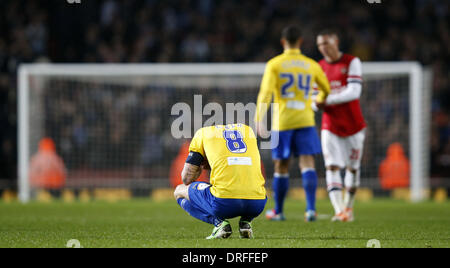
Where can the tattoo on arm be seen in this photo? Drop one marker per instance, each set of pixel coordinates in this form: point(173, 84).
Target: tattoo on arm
point(190, 173)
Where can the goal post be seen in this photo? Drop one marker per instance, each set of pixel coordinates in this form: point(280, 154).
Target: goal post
point(419, 123)
point(143, 90)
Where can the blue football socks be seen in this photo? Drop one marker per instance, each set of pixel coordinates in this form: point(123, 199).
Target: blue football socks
point(310, 186)
point(198, 213)
point(280, 187)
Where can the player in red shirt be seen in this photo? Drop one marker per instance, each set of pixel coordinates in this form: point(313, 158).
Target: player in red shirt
point(343, 125)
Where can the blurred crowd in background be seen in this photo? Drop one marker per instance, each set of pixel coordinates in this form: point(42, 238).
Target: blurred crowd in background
point(123, 128)
point(112, 31)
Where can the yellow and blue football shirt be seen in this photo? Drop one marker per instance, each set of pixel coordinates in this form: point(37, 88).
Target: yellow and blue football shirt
point(290, 79)
point(233, 155)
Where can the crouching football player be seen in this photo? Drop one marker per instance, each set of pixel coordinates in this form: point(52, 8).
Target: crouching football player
point(236, 186)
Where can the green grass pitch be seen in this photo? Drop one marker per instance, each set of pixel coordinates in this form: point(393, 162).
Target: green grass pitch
point(143, 223)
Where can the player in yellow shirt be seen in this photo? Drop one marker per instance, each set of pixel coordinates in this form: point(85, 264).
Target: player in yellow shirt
point(236, 185)
point(289, 79)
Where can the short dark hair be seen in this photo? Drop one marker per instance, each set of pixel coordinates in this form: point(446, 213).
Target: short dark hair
point(292, 34)
point(329, 31)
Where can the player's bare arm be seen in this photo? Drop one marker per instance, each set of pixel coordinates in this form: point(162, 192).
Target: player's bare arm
point(190, 173)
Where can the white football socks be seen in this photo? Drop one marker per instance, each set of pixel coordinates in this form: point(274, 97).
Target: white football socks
point(334, 186)
point(352, 181)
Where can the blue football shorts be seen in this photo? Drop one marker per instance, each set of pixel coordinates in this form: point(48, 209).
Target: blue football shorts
point(296, 142)
point(200, 196)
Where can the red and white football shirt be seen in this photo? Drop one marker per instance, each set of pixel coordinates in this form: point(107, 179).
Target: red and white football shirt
point(344, 118)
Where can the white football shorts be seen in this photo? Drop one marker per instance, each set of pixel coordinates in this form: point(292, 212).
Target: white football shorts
point(343, 151)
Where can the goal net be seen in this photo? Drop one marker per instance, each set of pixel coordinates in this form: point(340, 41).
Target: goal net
point(124, 126)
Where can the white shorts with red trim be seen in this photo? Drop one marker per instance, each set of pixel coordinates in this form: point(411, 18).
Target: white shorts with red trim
point(343, 151)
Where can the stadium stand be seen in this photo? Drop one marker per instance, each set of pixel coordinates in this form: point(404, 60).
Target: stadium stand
point(201, 31)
